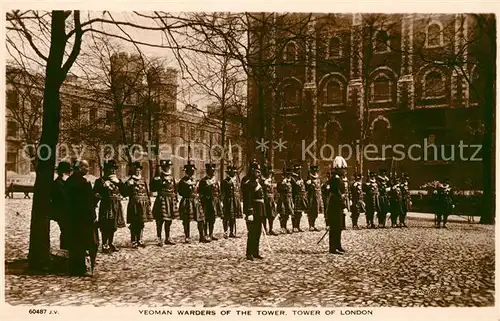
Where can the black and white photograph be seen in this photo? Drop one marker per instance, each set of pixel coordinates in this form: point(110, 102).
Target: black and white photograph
point(323, 163)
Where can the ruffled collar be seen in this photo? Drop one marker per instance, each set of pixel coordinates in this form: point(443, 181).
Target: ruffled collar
point(135, 177)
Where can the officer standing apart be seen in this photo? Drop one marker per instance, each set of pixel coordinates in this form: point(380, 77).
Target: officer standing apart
point(108, 190)
point(231, 204)
point(190, 208)
point(164, 208)
point(253, 208)
point(269, 197)
point(325, 193)
point(338, 204)
point(210, 200)
point(445, 204)
point(405, 192)
point(315, 200)
point(59, 202)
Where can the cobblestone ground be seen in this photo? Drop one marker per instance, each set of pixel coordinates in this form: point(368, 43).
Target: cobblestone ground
point(418, 266)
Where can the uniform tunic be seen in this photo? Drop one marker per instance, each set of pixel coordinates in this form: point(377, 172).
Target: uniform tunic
point(139, 204)
point(299, 196)
point(58, 209)
point(396, 201)
point(231, 199)
point(253, 204)
point(209, 190)
point(110, 208)
point(314, 196)
point(358, 204)
point(384, 204)
point(444, 200)
point(166, 199)
point(190, 208)
point(405, 192)
point(269, 197)
point(371, 197)
point(285, 204)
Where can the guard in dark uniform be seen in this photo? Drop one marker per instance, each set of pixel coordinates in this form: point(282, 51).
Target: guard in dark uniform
point(383, 198)
point(285, 202)
point(299, 198)
point(83, 237)
point(253, 207)
point(139, 205)
point(405, 193)
point(165, 202)
point(190, 208)
point(59, 202)
point(269, 197)
point(108, 190)
point(325, 193)
point(211, 201)
point(358, 205)
point(396, 201)
point(315, 199)
point(231, 202)
point(338, 204)
point(370, 189)
point(445, 203)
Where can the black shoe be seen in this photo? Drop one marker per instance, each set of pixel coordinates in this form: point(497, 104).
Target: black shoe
point(105, 249)
point(225, 235)
point(141, 244)
point(234, 236)
point(169, 242)
point(213, 238)
point(315, 229)
point(258, 257)
point(204, 240)
point(113, 248)
point(341, 250)
point(444, 226)
point(271, 232)
point(288, 231)
point(300, 230)
point(135, 245)
point(187, 240)
point(336, 252)
point(249, 257)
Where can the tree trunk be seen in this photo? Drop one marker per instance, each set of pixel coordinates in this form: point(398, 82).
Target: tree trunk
point(488, 148)
point(39, 257)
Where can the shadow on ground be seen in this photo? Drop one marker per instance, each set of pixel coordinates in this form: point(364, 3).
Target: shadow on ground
point(58, 266)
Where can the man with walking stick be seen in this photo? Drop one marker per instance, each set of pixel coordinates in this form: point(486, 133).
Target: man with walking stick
point(253, 208)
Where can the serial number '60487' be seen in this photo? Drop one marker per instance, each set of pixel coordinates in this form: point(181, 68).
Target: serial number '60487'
point(37, 311)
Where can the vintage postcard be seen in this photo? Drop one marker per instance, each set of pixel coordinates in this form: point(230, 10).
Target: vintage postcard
point(269, 161)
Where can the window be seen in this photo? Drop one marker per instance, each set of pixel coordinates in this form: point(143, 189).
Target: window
point(434, 37)
point(334, 48)
point(35, 103)
point(434, 85)
point(290, 96)
point(430, 139)
point(333, 93)
point(182, 151)
point(75, 111)
point(92, 115)
point(182, 132)
point(109, 117)
point(290, 54)
point(381, 42)
point(192, 137)
point(12, 99)
point(11, 161)
point(474, 87)
point(381, 89)
point(12, 129)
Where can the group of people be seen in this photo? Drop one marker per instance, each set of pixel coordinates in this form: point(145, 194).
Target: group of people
point(74, 202)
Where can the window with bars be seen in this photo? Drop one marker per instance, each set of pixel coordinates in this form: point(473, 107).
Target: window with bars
point(434, 35)
point(12, 128)
point(290, 96)
point(334, 48)
point(381, 89)
point(333, 93)
point(434, 85)
point(381, 42)
point(290, 54)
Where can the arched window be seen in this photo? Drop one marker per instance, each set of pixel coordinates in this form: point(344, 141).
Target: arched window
point(381, 89)
point(381, 42)
point(333, 93)
point(434, 35)
point(290, 96)
point(334, 48)
point(290, 53)
point(434, 85)
point(380, 132)
point(333, 136)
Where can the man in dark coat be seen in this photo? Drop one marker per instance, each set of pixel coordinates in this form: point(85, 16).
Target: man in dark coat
point(338, 205)
point(405, 193)
point(82, 220)
point(325, 193)
point(139, 205)
point(269, 197)
point(231, 200)
point(396, 201)
point(370, 189)
point(108, 190)
point(165, 202)
point(59, 201)
point(358, 205)
point(285, 202)
point(210, 200)
point(299, 198)
point(384, 204)
point(314, 197)
point(445, 204)
point(253, 208)
point(190, 208)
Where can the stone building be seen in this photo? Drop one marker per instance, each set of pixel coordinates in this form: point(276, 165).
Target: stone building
point(362, 79)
